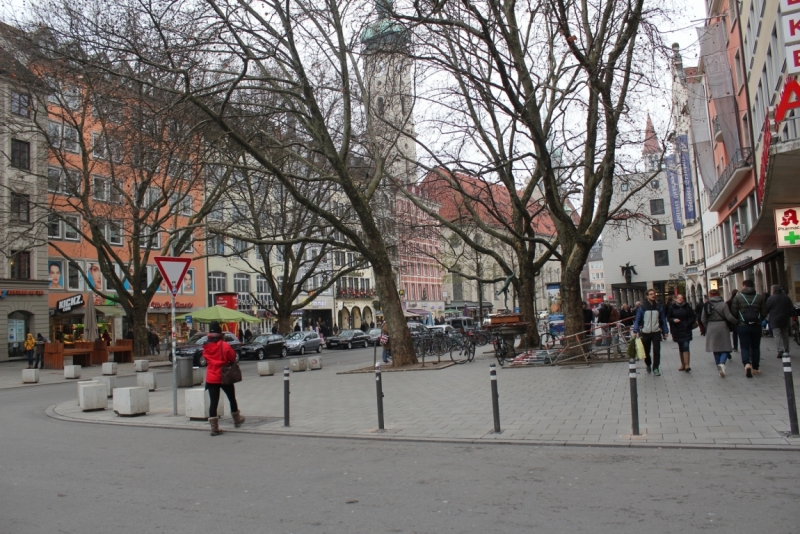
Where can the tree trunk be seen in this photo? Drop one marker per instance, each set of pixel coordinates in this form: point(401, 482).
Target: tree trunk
point(401, 346)
point(571, 298)
point(141, 345)
point(526, 308)
point(284, 323)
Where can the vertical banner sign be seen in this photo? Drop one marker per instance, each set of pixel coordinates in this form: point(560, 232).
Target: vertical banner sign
point(686, 170)
point(674, 184)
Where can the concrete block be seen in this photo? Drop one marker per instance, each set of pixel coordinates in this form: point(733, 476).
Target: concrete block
point(109, 368)
point(30, 376)
point(198, 375)
point(146, 380)
point(109, 381)
point(141, 366)
point(72, 371)
point(197, 403)
point(314, 362)
point(266, 368)
point(131, 401)
point(297, 364)
point(92, 396)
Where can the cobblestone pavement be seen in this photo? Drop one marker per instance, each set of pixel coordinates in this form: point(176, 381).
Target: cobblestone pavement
point(556, 405)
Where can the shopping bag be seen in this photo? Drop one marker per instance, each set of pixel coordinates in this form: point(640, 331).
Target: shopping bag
point(632, 351)
point(639, 349)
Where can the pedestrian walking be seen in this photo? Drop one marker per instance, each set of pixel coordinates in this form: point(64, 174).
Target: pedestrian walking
point(217, 353)
point(651, 321)
point(29, 345)
point(732, 326)
point(385, 341)
point(780, 310)
point(681, 318)
point(716, 317)
point(39, 362)
point(698, 312)
point(750, 309)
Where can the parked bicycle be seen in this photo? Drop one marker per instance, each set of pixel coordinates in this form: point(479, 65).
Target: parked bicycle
point(549, 339)
point(462, 348)
point(502, 350)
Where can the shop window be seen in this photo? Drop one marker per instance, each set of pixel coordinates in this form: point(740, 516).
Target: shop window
point(20, 265)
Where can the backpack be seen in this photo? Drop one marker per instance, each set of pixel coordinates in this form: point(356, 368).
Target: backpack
point(750, 315)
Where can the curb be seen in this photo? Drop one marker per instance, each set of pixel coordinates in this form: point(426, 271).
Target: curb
point(50, 412)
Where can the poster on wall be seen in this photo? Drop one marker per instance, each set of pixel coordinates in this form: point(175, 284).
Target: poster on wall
point(16, 330)
point(95, 277)
point(187, 287)
point(55, 274)
point(556, 317)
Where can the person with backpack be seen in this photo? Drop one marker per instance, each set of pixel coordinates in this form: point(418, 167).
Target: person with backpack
point(732, 326)
point(681, 317)
point(716, 316)
point(698, 312)
point(651, 321)
point(749, 308)
point(780, 310)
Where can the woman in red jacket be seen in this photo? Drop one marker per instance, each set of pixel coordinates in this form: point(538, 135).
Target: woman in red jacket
point(217, 353)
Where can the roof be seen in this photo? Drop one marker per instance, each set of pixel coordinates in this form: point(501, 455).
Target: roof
point(491, 201)
point(651, 145)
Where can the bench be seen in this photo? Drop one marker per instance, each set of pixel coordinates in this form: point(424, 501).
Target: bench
point(54, 354)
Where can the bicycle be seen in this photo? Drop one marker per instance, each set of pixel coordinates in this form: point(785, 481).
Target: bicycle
point(502, 351)
point(462, 348)
point(548, 339)
point(796, 330)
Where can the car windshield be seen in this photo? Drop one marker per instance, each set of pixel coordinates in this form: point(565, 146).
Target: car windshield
point(295, 335)
point(347, 333)
point(259, 339)
point(197, 339)
point(375, 332)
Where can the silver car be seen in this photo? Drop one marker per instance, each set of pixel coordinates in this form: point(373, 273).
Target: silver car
point(302, 342)
point(374, 336)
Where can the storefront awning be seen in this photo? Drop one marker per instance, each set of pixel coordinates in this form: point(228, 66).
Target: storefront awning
point(753, 263)
point(419, 312)
point(110, 311)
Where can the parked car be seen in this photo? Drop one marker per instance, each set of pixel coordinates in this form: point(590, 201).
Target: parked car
point(194, 348)
point(348, 339)
point(462, 324)
point(265, 346)
point(374, 336)
point(302, 342)
point(417, 329)
point(445, 329)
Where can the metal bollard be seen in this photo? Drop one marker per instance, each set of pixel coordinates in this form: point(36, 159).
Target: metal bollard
point(379, 391)
point(634, 397)
point(495, 397)
point(787, 378)
point(285, 396)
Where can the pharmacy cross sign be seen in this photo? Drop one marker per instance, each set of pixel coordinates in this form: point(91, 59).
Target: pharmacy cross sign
point(791, 237)
point(173, 270)
point(787, 227)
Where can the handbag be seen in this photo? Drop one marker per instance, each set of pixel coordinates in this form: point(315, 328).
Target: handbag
point(384, 339)
point(231, 374)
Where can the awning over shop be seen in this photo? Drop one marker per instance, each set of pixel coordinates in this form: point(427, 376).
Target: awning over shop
point(110, 311)
point(419, 313)
point(753, 263)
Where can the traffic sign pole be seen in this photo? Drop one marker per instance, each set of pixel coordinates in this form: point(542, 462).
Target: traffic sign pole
point(174, 363)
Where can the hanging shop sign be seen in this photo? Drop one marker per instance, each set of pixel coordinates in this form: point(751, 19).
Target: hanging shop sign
point(11, 292)
point(787, 227)
point(167, 304)
point(66, 305)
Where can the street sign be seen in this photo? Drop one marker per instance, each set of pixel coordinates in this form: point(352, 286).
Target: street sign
point(787, 227)
point(188, 320)
point(173, 270)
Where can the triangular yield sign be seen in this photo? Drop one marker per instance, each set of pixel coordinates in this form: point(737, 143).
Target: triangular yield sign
point(173, 270)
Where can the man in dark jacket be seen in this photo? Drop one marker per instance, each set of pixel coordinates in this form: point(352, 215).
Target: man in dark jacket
point(698, 312)
point(588, 317)
point(749, 308)
point(780, 309)
point(651, 321)
point(733, 327)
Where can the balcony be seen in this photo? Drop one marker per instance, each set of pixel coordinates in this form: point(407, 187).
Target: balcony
point(738, 167)
point(717, 129)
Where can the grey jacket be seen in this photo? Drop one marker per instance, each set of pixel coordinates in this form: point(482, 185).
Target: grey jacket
point(780, 309)
point(739, 304)
point(718, 338)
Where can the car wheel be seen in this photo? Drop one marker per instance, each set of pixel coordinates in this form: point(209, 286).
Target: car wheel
point(349, 345)
point(283, 352)
point(203, 362)
point(319, 348)
point(366, 343)
point(302, 350)
point(237, 357)
point(260, 354)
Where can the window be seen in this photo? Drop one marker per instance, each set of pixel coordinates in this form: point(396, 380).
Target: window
point(217, 282)
point(20, 208)
point(65, 183)
point(21, 104)
point(625, 186)
point(20, 265)
point(215, 245)
point(187, 206)
point(71, 225)
point(655, 184)
point(63, 136)
point(239, 247)
point(74, 276)
point(53, 226)
point(691, 253)
point(106, 148)
point(20, 154)
point(680, 256)
point(662, 258)
point(63, 226)
point(150, 237)
point(104, 190)
point(659, 232)
point(657, 206)
point(241, 285)
point(113, 231)
point(107, 109)
point(262, 291)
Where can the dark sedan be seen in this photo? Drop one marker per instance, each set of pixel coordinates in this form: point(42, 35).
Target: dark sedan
point(265, 346)
point(194, 348)
point(348, 339)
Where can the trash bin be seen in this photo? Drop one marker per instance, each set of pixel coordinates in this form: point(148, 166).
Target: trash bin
point(185, 373)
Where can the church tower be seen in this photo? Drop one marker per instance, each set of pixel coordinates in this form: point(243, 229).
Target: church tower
point(388, 71)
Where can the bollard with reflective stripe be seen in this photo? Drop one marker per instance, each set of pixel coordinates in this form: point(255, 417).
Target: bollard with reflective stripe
point(285, 396)
point(634, 397)
point(495, 397)
point(790, 400)
point(379, 391)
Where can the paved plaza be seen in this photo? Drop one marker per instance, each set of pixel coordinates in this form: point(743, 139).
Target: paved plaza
point(554, 405)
